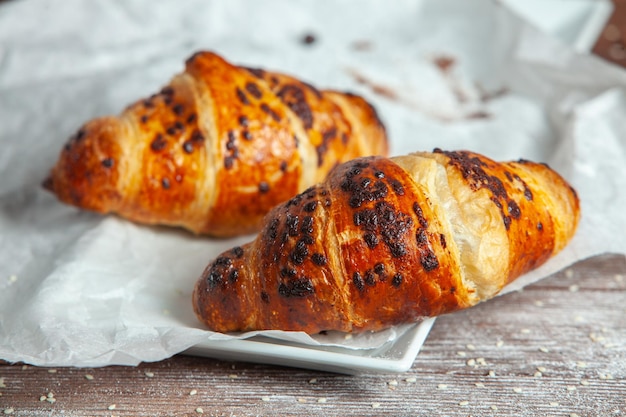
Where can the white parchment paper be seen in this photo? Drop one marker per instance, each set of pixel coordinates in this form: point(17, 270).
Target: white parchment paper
point(81, 289)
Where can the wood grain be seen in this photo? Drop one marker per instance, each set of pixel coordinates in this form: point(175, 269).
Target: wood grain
point(611, 45)
point(558, 348)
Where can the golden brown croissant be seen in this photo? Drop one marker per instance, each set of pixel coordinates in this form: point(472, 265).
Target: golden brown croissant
point(216, 149)
point(389, 241)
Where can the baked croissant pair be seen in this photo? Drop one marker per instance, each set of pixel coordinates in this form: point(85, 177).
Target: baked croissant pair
point(376, 242)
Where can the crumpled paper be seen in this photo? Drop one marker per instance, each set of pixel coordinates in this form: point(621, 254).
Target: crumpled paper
point(81, 289)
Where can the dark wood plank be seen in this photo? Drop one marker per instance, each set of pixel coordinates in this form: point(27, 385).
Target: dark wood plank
point(556, 348)
point(611, 45)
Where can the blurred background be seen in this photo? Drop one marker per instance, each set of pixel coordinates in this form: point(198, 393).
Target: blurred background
point(611, 45)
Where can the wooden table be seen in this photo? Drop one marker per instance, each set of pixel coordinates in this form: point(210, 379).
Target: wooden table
point(611, 45)
point(558, 348)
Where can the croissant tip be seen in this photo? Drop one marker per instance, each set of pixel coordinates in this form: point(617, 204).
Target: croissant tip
point(47, 184)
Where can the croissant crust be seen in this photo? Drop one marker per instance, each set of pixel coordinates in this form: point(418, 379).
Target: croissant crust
point(215, 149)
point(389, 241)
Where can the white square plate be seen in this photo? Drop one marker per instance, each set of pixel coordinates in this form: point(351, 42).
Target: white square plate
point(396, 356)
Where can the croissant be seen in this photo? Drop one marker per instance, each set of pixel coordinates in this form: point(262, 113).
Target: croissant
point(389, 241)
point(215, 149)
